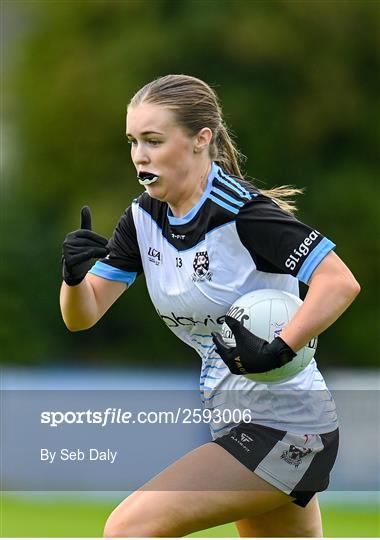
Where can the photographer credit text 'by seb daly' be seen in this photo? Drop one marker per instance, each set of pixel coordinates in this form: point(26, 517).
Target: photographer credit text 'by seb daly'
point(90, 454)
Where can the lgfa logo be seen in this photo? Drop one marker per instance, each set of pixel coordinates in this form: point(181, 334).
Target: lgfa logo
point(154, 256)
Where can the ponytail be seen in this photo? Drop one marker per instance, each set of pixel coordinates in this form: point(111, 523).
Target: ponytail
point(281, 194)
point(227, 154)
point(229, 157)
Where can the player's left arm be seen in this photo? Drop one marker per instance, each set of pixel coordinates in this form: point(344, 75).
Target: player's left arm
point(280, 243)
point(332, 288)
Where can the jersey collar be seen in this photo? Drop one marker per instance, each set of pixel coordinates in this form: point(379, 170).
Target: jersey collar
point(191, 213)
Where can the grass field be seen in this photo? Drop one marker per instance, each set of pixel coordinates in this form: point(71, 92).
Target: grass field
point(39, 518)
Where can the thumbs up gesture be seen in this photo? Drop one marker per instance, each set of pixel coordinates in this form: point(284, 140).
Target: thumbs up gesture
point(79, 248)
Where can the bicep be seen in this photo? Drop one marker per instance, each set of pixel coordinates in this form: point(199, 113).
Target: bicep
point(106, 292)
point(331, 266)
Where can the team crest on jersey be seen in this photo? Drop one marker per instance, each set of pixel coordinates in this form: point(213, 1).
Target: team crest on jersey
point(201, 267)
point(294, 455)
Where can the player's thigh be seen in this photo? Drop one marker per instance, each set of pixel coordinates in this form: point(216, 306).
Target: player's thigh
point(205, 488)
point(289, 521)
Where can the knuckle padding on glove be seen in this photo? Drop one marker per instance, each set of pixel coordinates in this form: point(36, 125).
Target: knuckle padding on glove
point(251, 354)
point(79, 248)
point(85, 236)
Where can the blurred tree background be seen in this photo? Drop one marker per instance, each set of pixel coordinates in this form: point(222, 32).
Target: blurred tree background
point(298, 81)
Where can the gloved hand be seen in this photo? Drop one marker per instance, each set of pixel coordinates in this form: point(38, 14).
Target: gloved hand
point(251, 354)
point(79, 248)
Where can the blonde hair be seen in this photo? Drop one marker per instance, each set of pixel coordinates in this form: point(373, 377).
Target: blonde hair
point(196, 105)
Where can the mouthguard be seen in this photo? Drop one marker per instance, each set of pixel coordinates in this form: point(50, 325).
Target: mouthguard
point(145, 178)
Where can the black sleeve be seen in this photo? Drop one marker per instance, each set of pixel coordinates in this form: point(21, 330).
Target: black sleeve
point(124, 250)
point(278, 242)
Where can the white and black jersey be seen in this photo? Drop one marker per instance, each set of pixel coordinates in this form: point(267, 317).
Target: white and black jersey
point(233, 241)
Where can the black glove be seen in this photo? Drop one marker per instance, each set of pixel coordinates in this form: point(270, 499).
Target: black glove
point(251, 354)
point(79, 248)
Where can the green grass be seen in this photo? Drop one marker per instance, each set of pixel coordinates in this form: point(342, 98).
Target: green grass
point(40, 518)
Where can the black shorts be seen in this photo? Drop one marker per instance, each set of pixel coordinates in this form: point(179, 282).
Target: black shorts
point(298, 465)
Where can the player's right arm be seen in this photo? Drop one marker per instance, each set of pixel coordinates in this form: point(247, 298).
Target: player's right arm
point(84, 304)
point(87, 292)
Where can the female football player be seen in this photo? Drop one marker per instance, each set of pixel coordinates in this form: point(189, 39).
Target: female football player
point(203, 237)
